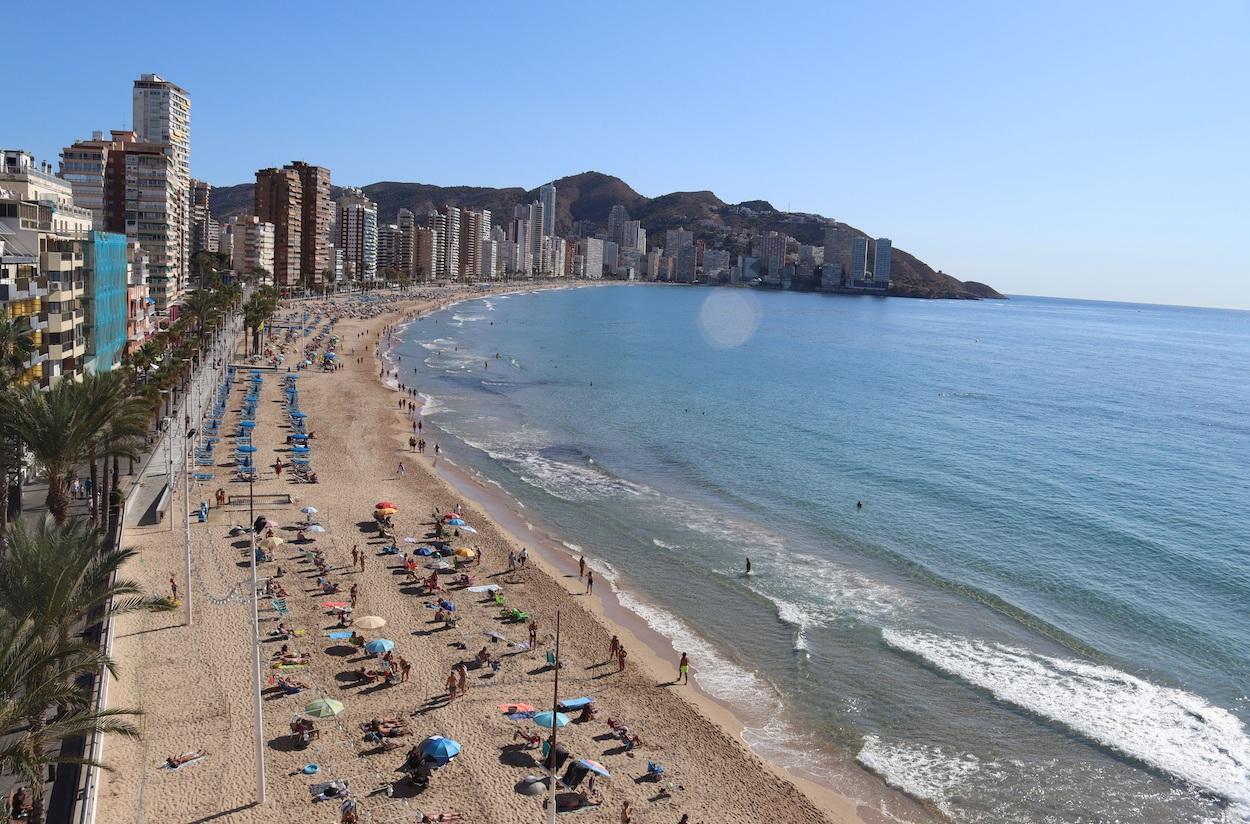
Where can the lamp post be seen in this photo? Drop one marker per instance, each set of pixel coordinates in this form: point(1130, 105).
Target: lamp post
point(551, 754)
point(256, 680)
point(186, 524)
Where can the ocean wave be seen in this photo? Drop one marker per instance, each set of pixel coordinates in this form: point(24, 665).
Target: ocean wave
point(925, 773)
point(431, 405)
point(467, 318)
point(1174, 731)
point(663, 545)
point(571, 547)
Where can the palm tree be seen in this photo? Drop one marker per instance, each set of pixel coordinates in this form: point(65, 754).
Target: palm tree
point(17, 343)
point(120, 422)
point(53, 579)
point(53, 426)
point(37, 678)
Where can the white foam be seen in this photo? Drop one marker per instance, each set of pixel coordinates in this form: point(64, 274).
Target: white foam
point(431, 405)
point(1172, 730)
point(663, 545)
point(571, 547)
point(926, 773)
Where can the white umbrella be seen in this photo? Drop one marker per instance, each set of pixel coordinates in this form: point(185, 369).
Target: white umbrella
point(316, 528)
point(309, 510)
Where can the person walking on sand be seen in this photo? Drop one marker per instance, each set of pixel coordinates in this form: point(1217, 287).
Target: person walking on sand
point(511, 561)
point(355, 556)
point(620, 658)
point(362, 560)
point(533, 633)
point(353, 593)
point(462, 683)
point(404, 668)
point(590, 582)
point(412, 444)
point(683, 670)
point(613, 647)
point(627, 813)
point(401, 469)
point(581, 567)
point(420, 426)
point(173, 587)
point(451, 686)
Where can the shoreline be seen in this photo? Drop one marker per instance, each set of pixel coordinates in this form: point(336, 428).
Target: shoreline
point(556, 558)
point(194, 682)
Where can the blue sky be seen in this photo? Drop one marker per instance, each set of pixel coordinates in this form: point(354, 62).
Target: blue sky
point(1074, 149)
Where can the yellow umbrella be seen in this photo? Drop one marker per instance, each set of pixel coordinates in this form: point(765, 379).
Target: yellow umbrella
point(384, 511)
point(465, 552)
point(272, 542)
point(370, 622)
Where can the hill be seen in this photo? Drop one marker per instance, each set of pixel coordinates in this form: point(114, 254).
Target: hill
point(589, 196)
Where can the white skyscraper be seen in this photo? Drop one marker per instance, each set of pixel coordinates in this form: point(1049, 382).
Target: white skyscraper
point(881, 263)
point(162, 114)
point(358, 234)
point(547, 197)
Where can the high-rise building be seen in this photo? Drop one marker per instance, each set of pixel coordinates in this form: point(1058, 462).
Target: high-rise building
point(140, 308)
point(838, 247)
point(487, 258)
point(253, 244)
point(859, 261)
point(771, 250)
point(427, 251)
point(406, 243)
point(617, 218)
point(162, 116)
point(279, 199)
point(547, 197)
point(447, 221)
point(715, 264)
point(388, 246)
point(611, 256)
point(634, 236)
point(881, 263)
point(132, 187)
point(536, 236)
point(205, 231)
point(358, 235)
point(591, 251)
point(474, 228)
point(43, 239)
point(316, 212)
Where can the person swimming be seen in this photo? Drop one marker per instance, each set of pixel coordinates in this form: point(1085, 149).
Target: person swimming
point(748, 566)
point(859, 504)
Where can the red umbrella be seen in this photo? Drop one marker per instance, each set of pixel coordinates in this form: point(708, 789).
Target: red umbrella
point(384, 505)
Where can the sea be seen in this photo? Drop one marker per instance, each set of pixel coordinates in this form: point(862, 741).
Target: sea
point(1000, 550)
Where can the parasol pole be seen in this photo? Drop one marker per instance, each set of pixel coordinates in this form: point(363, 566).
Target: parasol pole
point(551, 755)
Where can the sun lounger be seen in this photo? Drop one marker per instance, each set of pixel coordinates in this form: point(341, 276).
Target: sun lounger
point(279, 605)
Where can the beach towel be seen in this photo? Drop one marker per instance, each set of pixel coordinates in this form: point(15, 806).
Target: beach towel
point(197, 760)
point(517, 707)
point(522, 716)
point(340, 635)
point(574, 703)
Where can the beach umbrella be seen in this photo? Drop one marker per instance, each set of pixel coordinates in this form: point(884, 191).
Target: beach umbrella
point(272, 542)
point(385, 511)
point(455, 521)
point(323, 708)
point(316, 528)
point(247, 447)
point(299, 414)
point(440, 566)
point(384, 505)
point(309, 510)
point(299, 448)
point(465, 552)
point(545, 719)
point(370, 622)
point(379, 645)
point(595, 767)
point(498, 636)
point(447, 605)
point(485, 588)
point(467, 528)
point(439, 749)
point(411, 540)
point(247, 424)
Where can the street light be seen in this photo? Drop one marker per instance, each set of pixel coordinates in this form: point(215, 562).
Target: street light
point(186, 523)
point(256, 677)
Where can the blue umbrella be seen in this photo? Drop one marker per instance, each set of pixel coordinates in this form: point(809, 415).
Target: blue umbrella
point(543, 719)
point(439, 749)
point(247, 424)
point(299, 449)
point(379, 646)
point(299, 414)
point(447, 605)
point(595, 767)
point(456, 522)
point(247, 447)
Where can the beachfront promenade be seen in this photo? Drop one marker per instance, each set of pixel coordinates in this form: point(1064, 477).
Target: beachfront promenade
point(195, 683)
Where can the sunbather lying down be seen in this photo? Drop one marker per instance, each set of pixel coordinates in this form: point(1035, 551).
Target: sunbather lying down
point(433, 818)
point(175, 761)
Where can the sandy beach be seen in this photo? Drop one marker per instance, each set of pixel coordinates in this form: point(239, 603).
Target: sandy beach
point(194, 683)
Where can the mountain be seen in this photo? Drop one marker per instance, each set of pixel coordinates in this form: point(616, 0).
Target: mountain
point(590, 196)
